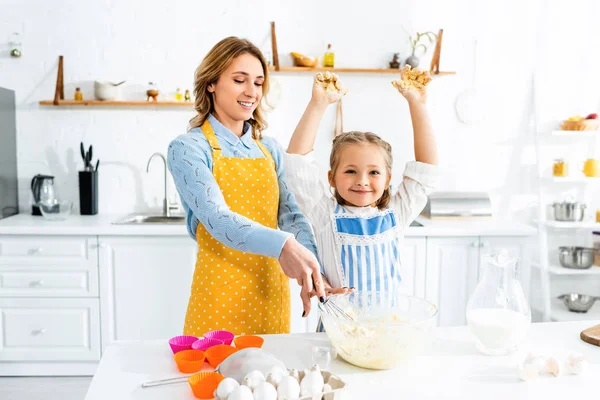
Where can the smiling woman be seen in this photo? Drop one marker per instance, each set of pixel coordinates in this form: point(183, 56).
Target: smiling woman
point(251, 235)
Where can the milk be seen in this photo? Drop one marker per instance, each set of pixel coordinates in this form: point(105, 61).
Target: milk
point(497, 330)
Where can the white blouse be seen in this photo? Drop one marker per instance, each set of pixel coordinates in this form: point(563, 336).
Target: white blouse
point(305, 180)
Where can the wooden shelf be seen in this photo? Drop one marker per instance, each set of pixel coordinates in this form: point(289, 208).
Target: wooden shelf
point(349, 70)
point(100, 103)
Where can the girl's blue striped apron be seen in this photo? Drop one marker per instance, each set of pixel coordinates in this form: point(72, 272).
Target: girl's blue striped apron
point(368, 251)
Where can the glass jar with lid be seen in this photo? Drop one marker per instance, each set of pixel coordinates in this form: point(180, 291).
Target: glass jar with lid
point(560, 167)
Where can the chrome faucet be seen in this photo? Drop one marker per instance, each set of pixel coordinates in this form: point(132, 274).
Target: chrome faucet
point(167, 207)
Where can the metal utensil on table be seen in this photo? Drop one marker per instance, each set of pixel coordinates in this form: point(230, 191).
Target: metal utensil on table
point(576, 257)
point(579, 303)
point(235, 366)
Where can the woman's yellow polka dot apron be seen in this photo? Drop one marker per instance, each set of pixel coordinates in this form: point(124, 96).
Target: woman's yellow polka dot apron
point(241, 292)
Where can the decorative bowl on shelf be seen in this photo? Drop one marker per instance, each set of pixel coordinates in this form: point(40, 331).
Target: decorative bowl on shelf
point(581, 125)
point(300, 60)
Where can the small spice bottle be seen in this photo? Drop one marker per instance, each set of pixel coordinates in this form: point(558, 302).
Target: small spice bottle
point(598, 216)
point(178, 95)
point(187, 96)
point(78, 94)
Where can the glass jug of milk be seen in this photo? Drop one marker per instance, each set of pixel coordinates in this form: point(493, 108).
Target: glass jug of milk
point(498, 314)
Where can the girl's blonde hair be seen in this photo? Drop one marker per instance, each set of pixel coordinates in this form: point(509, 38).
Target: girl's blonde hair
point(212, 67)
point(361, 138)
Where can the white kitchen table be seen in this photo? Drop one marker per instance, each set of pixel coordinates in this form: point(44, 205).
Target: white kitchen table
point(450, 368)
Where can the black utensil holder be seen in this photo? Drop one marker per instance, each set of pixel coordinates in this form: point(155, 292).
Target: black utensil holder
point(88, 192)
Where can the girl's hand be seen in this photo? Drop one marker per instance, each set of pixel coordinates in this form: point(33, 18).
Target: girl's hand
point(414, 96)
point(331, 290)
point(325, 97)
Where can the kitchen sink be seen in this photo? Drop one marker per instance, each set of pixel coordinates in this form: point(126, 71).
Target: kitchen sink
point(135, 219)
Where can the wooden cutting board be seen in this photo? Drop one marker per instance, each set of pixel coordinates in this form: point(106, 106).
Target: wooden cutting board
point(591, 335)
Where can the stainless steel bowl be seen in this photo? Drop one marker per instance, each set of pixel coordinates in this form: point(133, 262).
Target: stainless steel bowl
point(579, 303)
point(569, 211)
point(576, 257)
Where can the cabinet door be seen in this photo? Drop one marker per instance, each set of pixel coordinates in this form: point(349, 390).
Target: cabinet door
point(413, 257)
point(144, 286)
point(452, 265)
point(516, 246)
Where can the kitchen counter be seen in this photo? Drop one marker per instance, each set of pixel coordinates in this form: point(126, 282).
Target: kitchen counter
point(451, 368)
point(25, 224)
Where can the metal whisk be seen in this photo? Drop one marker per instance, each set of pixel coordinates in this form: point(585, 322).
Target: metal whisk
point(331, 308)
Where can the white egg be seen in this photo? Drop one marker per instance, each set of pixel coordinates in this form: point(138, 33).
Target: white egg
point(527, 372)
point(312, 384)
point(274, 375)
point(576, 364)
point(241, 393)
point(554, 366)
point(316, 367)
point(294, 373)
point(253, 379)
point(288, 388)
point(265, 391)
point(225, 388)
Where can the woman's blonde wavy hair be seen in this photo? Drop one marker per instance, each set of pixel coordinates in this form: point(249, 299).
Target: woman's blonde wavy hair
point(212, 67)
point(361, 138)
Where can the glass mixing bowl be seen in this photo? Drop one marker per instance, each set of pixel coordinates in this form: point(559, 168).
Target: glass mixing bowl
point(388, 329)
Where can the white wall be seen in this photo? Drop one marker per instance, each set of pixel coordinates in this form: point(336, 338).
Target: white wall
point(143, 41)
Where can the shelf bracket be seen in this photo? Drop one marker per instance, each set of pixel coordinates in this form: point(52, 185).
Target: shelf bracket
point(59, 92)
point(274, 47)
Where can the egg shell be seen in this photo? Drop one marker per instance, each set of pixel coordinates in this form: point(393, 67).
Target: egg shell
point(527, 372)
point(554, 366)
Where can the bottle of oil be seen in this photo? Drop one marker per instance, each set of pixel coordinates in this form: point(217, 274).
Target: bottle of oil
point(328, 57)
point(78, 95)
point(178, 95)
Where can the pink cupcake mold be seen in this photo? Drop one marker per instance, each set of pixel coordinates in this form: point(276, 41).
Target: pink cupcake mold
point(205, 343)
point(180, 343)
point(225, 336)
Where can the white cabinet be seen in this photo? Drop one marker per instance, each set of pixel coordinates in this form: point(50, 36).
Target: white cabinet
point(454, 266)
point(414, 261)
point(144, 286)
point(49, 329)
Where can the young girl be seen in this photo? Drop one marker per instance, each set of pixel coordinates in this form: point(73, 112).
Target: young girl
point(357, 222)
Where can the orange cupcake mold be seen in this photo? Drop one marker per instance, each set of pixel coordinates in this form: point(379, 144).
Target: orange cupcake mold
point(204, 384)
point(242, 342)
point(216, 354)
point(190, 361)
